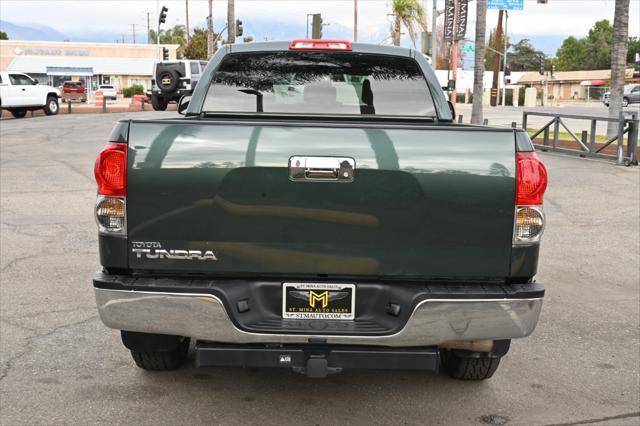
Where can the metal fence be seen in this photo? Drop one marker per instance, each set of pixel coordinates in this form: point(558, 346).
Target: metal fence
point(586, 145)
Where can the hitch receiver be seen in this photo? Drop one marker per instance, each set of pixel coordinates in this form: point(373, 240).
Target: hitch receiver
point(316, 361)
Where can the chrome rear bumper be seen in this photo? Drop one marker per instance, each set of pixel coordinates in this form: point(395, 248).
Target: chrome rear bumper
point(204, 317)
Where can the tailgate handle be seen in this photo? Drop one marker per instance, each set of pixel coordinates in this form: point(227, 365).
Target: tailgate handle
point(321, 169)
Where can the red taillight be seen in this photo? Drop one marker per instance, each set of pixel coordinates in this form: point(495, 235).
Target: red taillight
point(310, 44)
point(111, 170)
point(531, 179)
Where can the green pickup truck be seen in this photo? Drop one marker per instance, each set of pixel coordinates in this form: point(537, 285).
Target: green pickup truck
point(317, 209)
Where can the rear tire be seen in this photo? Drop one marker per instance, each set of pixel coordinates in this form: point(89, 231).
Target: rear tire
point(51, 107)
point(156, 352)
point(158, 103)
point(469, 368)
point(19, 112)
point(162, 361)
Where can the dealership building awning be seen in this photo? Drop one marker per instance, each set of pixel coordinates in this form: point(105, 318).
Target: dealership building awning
point(79, 71)
point(55, 65)
point(593, 83)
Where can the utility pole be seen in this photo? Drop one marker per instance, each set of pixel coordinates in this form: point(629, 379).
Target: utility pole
point(355, 21)
point(210, 30)
point(148, 30)
point(454, 54)
point(134, 33)
point(454, 68)
point(231, 22)
point(158, 33)
point(496, 63)
point(186, 7)
point(434, 37)
point(504, 60)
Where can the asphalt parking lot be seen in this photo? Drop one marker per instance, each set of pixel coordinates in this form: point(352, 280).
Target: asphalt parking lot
point(59, 364)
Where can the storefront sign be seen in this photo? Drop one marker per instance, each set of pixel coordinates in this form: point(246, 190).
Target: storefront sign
point(54, 52)
point(505, 4)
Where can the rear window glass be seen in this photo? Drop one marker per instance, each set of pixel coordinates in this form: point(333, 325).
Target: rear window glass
point(194, 68)
point(106, 87)
point(319, 83)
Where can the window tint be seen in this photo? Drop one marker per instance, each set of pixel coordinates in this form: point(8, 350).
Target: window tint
point(20, 80)
point(194, 68)
point(106, 87)
point(319, 83)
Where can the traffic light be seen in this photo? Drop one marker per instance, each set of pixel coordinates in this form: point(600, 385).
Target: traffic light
point(316, 26)
point(541, 65)
point(165, 54)
point(163, 15)
point(239, 29)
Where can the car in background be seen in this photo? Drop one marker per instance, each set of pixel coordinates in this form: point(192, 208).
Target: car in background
point(73, 91)
point(630, 95)
point(20, 93)
point(108, 91)
point(173, 80)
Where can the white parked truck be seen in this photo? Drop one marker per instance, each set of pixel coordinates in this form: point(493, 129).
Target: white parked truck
point(20, 93)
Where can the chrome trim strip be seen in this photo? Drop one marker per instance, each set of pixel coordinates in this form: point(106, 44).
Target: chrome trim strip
point(203, 316)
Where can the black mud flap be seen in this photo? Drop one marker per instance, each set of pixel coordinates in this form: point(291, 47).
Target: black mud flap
point(316, 361)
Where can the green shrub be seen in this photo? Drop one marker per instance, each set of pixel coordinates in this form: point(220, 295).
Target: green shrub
point(521, 95)
point(508, 97)
point(136, 89)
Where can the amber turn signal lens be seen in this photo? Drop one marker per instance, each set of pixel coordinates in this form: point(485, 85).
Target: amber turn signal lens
point(529, 224)
point(110, 215)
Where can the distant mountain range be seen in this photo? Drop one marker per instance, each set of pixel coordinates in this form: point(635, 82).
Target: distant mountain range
point(258, 29)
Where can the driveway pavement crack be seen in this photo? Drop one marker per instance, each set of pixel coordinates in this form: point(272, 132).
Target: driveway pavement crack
point(18, 260)
point(8, 365)
point(75, 169)
point(598, 420)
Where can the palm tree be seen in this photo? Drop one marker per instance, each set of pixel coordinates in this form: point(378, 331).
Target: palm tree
point(231, 21)
point(618, 62)
point(411, 14)
point(175, 35)
point(478, 68)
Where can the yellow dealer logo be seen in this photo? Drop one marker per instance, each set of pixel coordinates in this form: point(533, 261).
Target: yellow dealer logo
point(321, 297)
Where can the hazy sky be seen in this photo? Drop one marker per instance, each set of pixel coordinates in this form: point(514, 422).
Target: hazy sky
point(558, 17)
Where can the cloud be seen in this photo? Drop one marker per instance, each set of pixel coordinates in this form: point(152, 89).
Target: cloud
point(558, 17)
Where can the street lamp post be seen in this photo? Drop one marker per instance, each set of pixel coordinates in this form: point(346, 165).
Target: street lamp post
point(434, 38)
point(504, 59)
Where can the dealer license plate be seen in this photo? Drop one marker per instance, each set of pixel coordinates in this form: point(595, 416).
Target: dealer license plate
point(318, 301)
